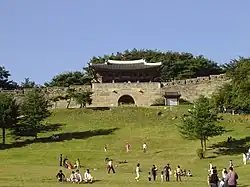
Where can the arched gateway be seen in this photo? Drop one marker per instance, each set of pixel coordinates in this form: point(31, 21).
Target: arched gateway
point(126, 100)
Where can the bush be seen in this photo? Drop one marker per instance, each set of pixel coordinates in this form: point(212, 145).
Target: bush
point(200, 153)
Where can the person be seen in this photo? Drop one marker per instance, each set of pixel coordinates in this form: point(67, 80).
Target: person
point(224, 173)
point(127, 147)
point(189, 174)
point(162, 176)
point(231, 164)
point(149, 177)
point(60, 176)
point(110, 166)
point(154, 172)
point(77, 164)
point(144, 147)
point(244, 158)
point(78, 176)
point(232, 178)
point(88, 177)
point(105, 148)
point(60, 160)
point(137, 171)
point(210, 168)
point(72, 177)
point(178, 173)
point(213, 179)
point(167, 172)
point(65, 162)
point(69, 165)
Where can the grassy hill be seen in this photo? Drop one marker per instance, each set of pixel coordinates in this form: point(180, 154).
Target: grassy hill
point(84, 133)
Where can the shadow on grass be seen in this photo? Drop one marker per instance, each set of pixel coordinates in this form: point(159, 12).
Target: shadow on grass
point(232, 148)
point(62, 137)
point(22, 130)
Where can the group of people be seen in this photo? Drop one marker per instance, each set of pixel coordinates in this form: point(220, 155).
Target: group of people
point(228, 178)
point(67, 164)
point(165, 173)
point(75, 177)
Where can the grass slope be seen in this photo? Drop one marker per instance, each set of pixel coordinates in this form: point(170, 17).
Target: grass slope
point(85, 132)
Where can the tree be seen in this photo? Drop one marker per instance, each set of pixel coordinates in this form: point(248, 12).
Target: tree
point(69, 79)
point(27, 83)
point(71, 92)
point(5, 83)
point(8, 113)
point(83, 98)
point(201, 122)
point(56, 99)
point(34, 109)
point(235, 95)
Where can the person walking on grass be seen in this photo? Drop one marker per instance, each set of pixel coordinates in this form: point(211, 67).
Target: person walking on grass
point(60, 160)
point(137, 171)
point(144, 147)
point(232, 178)
point(110, 166)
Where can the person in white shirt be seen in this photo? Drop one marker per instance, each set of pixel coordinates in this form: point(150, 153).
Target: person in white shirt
point(244, 158)
point(137, 171)
point(87, 177)
point(78, 176)
point(210, 168)
point(144, 147)
point(72, 177)
point(110, 166)
point(224, 173)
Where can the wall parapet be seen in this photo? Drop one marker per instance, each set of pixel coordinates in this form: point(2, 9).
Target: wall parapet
point(198, 80)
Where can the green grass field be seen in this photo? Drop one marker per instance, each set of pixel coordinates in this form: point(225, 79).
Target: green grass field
point(84, 133)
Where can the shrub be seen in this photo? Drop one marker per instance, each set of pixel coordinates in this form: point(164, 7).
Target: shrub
point(200, 153)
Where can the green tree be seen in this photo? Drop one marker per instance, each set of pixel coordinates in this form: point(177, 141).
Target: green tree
point(5, 83)
point(34, 109)
point(235, 95)
point(56, 99)
point(27, 83)
point(8, 113)
point(201, 122)
point(83, 98)
point(69, 79)
point(71, 93)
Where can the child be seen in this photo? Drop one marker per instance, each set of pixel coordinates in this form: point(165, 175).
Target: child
point(149, 177)
point(60, 176)
point(105, 148)
point(189, 174)
point(231, 164)
point(162, 176)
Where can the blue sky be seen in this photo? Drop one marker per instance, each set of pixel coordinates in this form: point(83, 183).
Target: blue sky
point(42, 38)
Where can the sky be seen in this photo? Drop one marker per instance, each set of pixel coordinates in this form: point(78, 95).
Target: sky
point(42, 38)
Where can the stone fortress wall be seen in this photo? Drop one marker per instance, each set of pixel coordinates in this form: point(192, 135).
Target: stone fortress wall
point(144, 94)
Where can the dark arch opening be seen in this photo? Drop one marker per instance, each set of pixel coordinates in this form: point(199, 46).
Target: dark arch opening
point(126, 100)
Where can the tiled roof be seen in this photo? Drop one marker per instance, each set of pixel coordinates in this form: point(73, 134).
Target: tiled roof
point(138, 66)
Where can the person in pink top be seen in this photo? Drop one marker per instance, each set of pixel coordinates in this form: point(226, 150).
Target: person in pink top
point(232, 178)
